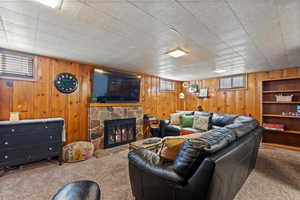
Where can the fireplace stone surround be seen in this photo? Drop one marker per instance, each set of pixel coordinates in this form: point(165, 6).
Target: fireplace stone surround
point(98, 114)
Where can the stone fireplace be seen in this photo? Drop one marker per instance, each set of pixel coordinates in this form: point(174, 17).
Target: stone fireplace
point(102, 118)
point(119, 131)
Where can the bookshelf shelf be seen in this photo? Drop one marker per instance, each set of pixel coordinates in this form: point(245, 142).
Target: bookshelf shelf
point(272, 112)
point(276, 102)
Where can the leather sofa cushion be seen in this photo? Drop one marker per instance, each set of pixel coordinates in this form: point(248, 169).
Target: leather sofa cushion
point(189, 157)
point(149, 161)
point(195, 150)
point(218, 139)
point(209, 114)
point(219, 119)
point(243, 125)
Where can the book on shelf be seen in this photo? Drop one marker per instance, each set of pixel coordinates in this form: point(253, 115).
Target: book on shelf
point(275, 127)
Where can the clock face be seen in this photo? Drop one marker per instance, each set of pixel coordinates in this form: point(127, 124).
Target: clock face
point(66, 83)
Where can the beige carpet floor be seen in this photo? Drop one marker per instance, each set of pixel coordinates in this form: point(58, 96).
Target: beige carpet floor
point(276, 177)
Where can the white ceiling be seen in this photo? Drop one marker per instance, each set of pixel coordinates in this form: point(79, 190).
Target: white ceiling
point(236, 35)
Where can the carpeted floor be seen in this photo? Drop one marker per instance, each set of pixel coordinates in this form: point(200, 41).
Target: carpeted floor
point(276, 177)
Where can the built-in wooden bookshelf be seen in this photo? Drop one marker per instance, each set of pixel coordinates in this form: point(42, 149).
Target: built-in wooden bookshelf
point(277, 112)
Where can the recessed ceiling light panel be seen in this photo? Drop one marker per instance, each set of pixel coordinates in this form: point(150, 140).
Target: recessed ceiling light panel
point(176, 53)
point(50, 3)
point(219, 71)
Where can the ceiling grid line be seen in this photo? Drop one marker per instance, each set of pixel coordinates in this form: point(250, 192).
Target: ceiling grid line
point(170, 27)
point(4, 29)
point(244, 28)
point(281, 31)
point(209, 29)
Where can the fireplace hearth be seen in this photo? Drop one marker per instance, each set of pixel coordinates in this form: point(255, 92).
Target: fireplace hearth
point(119, 131)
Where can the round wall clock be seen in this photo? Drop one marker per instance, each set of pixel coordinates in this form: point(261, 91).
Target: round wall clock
point(66, 83)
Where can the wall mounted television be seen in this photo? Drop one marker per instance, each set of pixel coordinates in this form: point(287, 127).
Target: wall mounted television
point(115, 87)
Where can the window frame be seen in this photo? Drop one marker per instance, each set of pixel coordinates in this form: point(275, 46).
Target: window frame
point(173, 89)
point(235, 88)
point(14, 77)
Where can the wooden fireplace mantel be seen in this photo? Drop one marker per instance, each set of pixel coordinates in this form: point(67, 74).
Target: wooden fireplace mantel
point(113, 104)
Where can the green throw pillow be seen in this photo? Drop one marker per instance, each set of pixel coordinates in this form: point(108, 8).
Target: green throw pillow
point(186, 121)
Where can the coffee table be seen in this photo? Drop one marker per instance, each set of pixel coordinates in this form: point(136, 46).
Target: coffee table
point(155, 147)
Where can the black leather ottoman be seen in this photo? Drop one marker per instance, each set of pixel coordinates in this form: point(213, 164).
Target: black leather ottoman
point(80, 190)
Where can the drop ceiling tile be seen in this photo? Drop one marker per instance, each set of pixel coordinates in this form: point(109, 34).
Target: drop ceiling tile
point(27, 8)
point(17, 18)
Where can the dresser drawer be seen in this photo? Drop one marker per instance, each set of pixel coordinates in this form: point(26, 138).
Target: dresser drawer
point(16, 141)
point(27, 154)
point(20, 129)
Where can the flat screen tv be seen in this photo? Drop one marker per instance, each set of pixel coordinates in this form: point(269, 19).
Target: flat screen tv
point(114, 87)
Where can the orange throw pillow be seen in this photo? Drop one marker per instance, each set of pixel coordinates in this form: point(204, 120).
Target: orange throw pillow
point(171, 146)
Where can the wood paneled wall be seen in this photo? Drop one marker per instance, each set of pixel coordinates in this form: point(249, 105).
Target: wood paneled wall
point(40, 99)
point(240, 101)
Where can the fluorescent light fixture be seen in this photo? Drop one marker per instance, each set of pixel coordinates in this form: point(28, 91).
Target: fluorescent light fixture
point(51, 3)
point(176, 53)
point(219, 71)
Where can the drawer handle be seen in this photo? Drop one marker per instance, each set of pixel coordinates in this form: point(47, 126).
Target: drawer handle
point(6, 143)
point(13, 130)
point(46, 126)
point(51, 137)
point(50, 148)
point(6, 156)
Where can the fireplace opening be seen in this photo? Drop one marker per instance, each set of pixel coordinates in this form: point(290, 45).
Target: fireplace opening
point(119, 131)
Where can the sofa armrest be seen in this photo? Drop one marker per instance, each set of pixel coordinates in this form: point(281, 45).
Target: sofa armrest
point(150, 162)
point(162, 125)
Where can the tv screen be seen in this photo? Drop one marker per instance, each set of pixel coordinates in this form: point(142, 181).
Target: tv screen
point(114, 87)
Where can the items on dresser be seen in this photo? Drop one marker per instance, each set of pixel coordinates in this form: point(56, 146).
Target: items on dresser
point(30, 140)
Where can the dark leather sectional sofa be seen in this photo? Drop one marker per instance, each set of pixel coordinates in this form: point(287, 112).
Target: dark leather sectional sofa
point(218, 120)
point(213, 166)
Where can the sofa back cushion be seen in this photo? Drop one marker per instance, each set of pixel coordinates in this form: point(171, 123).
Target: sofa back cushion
point(190, 156)
point(219, 119)
point(195, 150)
point(243, 125)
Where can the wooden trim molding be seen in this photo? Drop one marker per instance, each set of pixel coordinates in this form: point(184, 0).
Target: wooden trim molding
point(114, 104)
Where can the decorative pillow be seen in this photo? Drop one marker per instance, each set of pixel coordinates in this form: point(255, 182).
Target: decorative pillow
point(201, 122)
point(209, 114)
point(171, 146)
point(175, 118)
point(184, 132)
point(78, 151)
point(186, 121)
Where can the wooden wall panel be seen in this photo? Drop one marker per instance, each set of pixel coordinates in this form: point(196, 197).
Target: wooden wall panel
point(156, 102)
point(40, 99)
point(242, 101)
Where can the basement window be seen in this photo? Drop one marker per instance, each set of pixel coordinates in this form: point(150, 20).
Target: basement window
point(166, 85)
point(233, 82)
point(15, 65)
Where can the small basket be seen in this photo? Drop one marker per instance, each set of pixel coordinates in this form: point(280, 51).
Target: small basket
point(281, 98)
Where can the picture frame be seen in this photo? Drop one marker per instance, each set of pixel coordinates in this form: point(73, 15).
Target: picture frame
point(203, 93)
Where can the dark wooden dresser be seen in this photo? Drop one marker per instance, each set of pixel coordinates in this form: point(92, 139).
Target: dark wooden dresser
point(30, 140)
